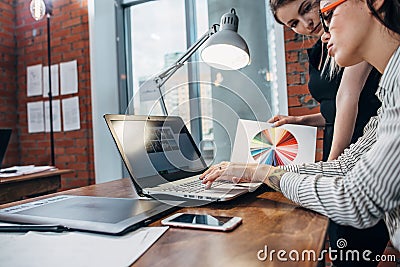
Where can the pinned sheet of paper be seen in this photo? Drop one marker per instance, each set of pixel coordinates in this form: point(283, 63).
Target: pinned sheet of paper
point(35, 117)
point(69, 77)
point(259, 142)
point(71, 115)
point(34, 80)
point(54, 81)
point(56, 115)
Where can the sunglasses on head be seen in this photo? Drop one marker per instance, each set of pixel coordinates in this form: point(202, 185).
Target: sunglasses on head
point(326, 13)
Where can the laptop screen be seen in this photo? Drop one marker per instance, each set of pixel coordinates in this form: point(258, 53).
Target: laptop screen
point(156, 146)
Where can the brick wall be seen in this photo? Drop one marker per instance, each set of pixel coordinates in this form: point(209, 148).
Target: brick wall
point(69, 41)
point(8, 80)
point(300, 101)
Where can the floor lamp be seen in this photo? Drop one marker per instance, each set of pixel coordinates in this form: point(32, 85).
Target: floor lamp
point(38, 9)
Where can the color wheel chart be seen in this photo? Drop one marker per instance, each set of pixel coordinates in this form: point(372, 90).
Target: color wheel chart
point(274, 146)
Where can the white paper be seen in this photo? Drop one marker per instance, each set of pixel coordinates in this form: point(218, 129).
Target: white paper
point(34, 80)
point(302, 146)
point(71, 114)
point(22, 170)
point(76, 249)
point(35, 117)
point(54, 81)
point(69, 77)
point(56, 115)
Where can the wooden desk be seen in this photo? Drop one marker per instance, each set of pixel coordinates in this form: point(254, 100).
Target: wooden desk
point(41, 183)
point(268, 220)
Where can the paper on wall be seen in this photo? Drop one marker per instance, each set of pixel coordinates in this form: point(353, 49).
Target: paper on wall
point(69, 77)
point(34, 80)
point(260, 142)
point(54, 81)
point(71, 115)
point(35, 117)
point(56, 115)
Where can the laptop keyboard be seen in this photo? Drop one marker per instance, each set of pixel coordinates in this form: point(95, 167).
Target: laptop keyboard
point(194, 186)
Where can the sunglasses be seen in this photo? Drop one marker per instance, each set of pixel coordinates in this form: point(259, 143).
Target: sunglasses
point(326, 13)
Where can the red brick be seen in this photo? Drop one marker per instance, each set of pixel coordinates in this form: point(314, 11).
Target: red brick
point(298, 111)
point(320, 133)
point(296, 68)
point(293, 101)
point(318, 156)
point(290, 46)
point(298, 90)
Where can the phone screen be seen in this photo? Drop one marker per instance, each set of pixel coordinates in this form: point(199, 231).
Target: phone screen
point(202, 219)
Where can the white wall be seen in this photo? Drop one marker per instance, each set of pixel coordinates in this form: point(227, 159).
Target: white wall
point(104, 83)
point(281, 69)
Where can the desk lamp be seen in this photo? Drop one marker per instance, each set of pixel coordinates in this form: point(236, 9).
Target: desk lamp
point(223, 49)
point(38, 9)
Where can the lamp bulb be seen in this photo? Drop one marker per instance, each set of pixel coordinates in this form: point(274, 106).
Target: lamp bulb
point(38, 9)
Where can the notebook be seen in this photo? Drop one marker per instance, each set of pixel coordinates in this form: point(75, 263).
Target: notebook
point(163, 159)
point(5, 135)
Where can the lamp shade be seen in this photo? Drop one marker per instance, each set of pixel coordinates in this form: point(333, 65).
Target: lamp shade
point(37, 9)
point(226, 49)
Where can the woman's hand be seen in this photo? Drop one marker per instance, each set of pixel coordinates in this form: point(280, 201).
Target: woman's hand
point(279, 120)
point(316, 120)
point(243, 172)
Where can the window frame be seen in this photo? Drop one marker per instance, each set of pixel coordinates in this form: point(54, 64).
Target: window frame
point(123, 15)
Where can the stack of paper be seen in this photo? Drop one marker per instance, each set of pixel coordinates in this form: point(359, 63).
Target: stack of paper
point(22, 170)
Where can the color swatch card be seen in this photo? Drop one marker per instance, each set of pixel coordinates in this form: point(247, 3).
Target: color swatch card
point(259, 142)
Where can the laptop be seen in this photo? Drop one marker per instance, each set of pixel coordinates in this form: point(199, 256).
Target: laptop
point(5, 135)
point(163, 160)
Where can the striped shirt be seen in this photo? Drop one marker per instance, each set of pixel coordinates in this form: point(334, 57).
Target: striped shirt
point(363, 184)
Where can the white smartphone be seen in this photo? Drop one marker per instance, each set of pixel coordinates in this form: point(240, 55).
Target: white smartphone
point(202, 221)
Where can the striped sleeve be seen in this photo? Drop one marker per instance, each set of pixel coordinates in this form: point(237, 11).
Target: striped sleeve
point(346, 161)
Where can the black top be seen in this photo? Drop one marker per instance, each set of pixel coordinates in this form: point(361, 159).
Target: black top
point(324, 90)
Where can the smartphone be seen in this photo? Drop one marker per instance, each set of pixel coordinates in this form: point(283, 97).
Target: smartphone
point(201, 221)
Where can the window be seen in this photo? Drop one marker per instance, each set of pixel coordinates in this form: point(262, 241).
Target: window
point(157, 33)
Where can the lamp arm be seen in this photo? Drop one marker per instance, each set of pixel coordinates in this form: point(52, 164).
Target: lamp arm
point(163, 77)
point(192, 49)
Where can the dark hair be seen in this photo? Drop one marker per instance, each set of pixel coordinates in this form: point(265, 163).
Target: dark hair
point(275, 5)
point(388, 14)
